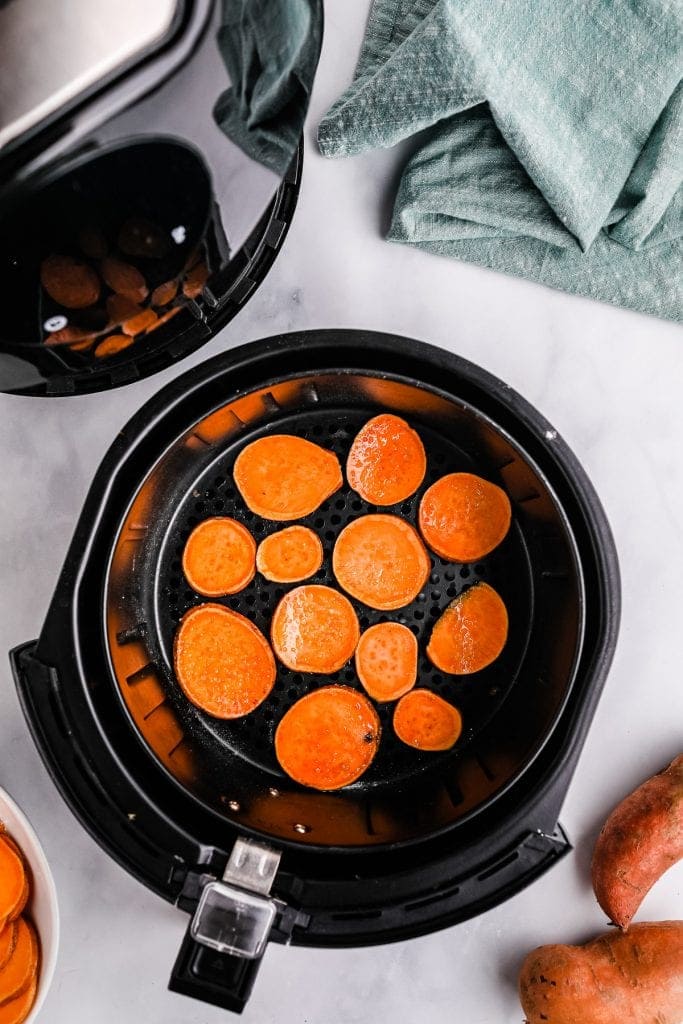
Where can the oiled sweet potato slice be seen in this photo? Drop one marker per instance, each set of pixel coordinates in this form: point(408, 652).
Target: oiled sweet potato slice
point(20, 969)
point(290, 555)
point(112, 345)
point(471, 633)
point(635, 978)
point(164, 293)
point(463, 517)
point(12, 879)
point(17, 1010)
point(641, 839)
point(26, 891)
point(381, 561)
point(72, 283)
point(223, 662)
point(328, 738)
point(387, 461)
point(386, 660)
point(284, 477)
point(314, 629)
point(8, 940)
point(124, 278)
point(424, 720)
point(219, 557)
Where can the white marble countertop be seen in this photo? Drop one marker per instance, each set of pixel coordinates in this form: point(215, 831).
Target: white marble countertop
point(609, 380)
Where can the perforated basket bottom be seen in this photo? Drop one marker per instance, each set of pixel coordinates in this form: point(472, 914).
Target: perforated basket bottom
point(478, 697)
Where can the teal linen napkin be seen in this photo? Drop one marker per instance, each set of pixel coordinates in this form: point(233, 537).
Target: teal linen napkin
point(552, 143)
point(270, 49)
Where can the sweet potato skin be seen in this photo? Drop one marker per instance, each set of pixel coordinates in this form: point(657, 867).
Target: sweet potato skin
point(633, 978)
point(640, 840)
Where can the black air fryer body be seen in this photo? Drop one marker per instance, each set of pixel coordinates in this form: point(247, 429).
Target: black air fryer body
point(419, 844)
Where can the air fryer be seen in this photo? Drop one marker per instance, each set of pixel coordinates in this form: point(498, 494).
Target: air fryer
point(116, 151)
point(199, 810)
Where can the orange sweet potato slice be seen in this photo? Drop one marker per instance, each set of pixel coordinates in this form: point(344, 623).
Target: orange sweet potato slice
point(144, 321)
point(195, 279)
point(71, 283)
point(223, 662)
point(386, 660)
point(17, 1010)
point(164, 293)
point(8, 940)
point(426, 721)
point(20, 969)
point(124, 278)
point(387, 461)
point(471, 633)
point(463, 517)
point(12, 879)
point(112, 345)
point(314, 629)
point(219, 557)
point(284, 477)
point(328, 738)
point(69, 335)
point(120, 309)
point(381, 561)
point(290, 555)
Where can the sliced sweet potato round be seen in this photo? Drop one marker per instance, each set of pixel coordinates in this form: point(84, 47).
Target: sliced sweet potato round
point(290, 555)
point(381, 561)
point(12, 879)
point(26, 891)
point(387, 461)
point(8, 940)
point(124, 278)
point(219, 557)
point(314, 629)
point(386, 660)
point(112, 345)
point(17, 1010)
point(328, 738)
point(20, 969)
point(471, 633)
point(223, 662)
point(284, 477)
point(71, 283)
point(463, 517)
point(426, 721)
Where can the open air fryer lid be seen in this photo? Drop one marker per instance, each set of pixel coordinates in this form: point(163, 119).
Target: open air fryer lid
point(183, 802)
point(150, 158)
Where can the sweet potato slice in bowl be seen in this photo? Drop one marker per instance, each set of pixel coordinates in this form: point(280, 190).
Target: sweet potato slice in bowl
point(12, 880)
point(381, 561)
point(223, 662)
point(426, 721)
point(328, 738)
point(8, 940)
point(471, 633)
point(219, 557)
point(283, 477)
point(290, 555)
point(20, 969)
point(314, 629)
point(464, 517)
point(17, 1010)
point(387, 461)
point(386, 660)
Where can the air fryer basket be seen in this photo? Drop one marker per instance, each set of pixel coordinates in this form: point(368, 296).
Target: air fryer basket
point(421, 841)
point(508, 709)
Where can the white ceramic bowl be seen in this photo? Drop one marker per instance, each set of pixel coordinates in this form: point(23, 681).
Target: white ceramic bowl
point(42, 907)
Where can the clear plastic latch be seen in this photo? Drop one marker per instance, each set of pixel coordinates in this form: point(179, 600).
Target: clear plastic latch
point(235, 915)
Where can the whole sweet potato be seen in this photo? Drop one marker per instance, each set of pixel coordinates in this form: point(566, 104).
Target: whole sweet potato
point(640, 840)
point(632, 978)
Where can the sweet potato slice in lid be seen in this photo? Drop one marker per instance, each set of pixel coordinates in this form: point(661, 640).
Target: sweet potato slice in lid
point(290, 555)
point(471, 632)
point(223, 662)
point(463, 517)
point(387, 461)
point(426, 721)
point(386, 660)
point(283, 477)
point(381, 561)
point(219, 557)
point(328, 738)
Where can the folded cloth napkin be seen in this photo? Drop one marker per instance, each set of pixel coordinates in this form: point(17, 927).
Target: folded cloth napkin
point(553, 147)
point(270, 49)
